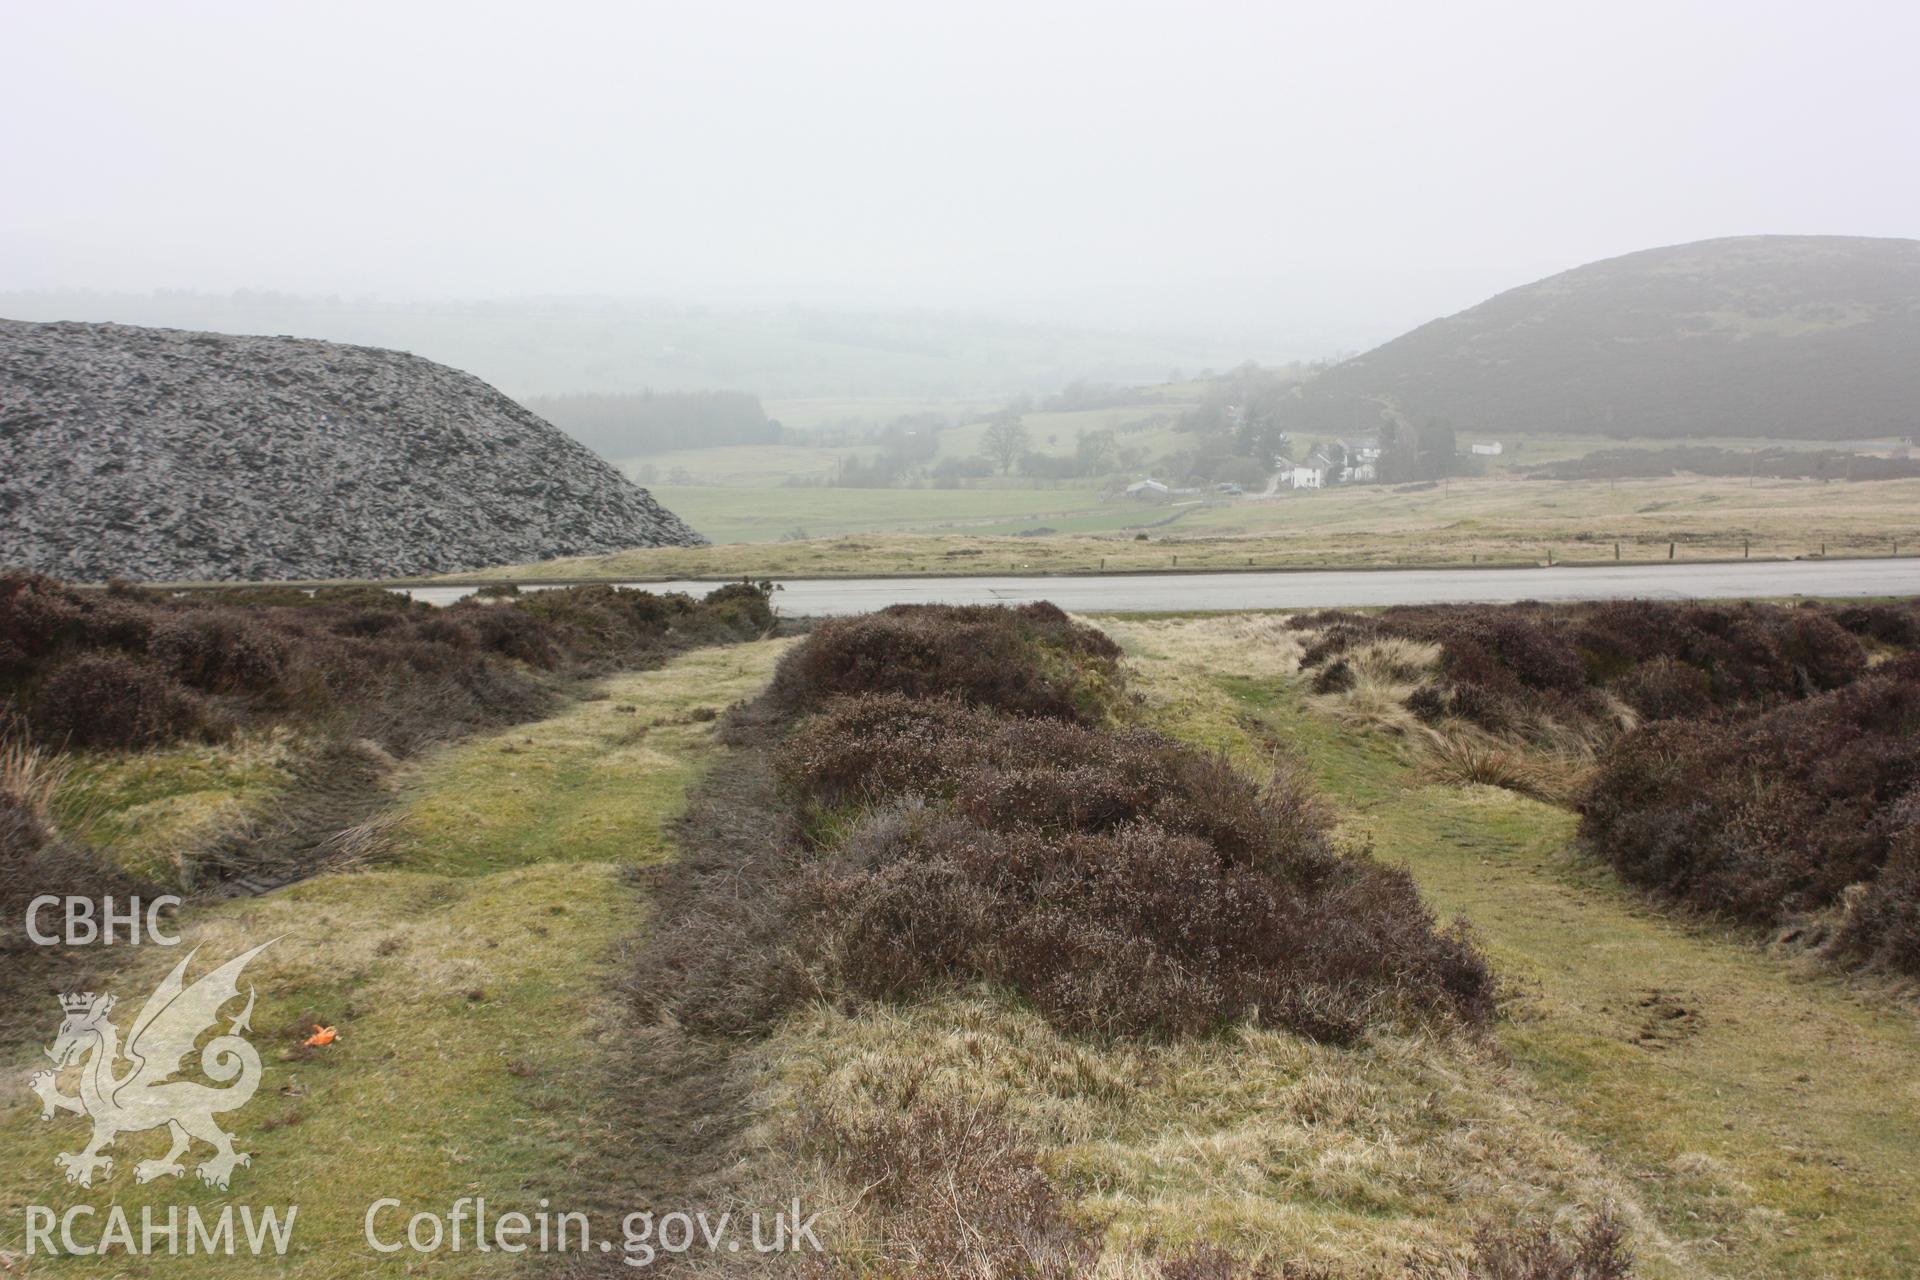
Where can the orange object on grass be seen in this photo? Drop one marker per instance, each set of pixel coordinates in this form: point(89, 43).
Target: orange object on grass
point(321, 1035)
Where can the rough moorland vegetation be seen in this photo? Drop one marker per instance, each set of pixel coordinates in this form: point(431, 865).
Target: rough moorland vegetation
point(1808, 811)
point(1525, 667)
point(935, 803)
point(960, 812)
point(125, 670)
point(1760, 762)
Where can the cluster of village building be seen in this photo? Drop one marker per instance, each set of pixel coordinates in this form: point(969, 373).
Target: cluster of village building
point(1353, 460)
point(1350, 460)
point(1345, 461)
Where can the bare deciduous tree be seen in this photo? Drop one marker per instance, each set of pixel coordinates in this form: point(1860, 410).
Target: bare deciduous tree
point(1006, 440)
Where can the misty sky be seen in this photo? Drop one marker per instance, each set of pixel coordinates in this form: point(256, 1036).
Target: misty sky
point(1178, 165)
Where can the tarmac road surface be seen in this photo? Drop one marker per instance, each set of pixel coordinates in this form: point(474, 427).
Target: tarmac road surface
point(1326, 588)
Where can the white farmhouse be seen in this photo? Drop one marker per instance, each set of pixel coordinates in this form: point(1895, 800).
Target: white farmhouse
point(1311, 474)
point(1488, 448)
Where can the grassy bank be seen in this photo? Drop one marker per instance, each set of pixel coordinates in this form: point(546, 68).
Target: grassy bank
point(468, 971)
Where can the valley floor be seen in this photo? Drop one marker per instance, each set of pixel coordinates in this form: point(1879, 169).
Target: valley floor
point(1747, 1116)
point(1499, 520)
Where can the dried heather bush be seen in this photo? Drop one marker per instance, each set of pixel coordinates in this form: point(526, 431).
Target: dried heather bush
point(1334, 677)
point(1032, 660)
point(957, 1194)
point(113, 701)
point(1665, 688)
point(1596, 1251)
point(222, 651)
point(1122, 881)
point(1771, 816)
point(129, 668)
point(1895, 625)
point(1131, 929)
point(1572, 676)
point(1882, 928)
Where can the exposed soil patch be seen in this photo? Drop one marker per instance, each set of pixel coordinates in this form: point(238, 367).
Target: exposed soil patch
point(1665, 1016)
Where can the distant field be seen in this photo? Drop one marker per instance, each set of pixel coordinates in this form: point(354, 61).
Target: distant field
point(740, 495)
point(1525, 449)
point(1149, 429)
point(1057, 434)
point(763, 466)
point(828, 411)
point(741, 515)
point(1493, 520)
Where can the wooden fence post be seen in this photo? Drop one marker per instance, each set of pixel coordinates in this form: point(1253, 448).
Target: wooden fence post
point(1670, 547)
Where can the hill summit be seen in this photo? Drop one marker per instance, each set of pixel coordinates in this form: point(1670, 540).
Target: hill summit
point(1776, 336)
point(165, 455)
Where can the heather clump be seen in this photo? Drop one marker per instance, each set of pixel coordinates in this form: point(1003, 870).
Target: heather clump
point(1533, 670)
point(127, 668)
point(1808, 808)
point(953, 824)
point(1032, 660)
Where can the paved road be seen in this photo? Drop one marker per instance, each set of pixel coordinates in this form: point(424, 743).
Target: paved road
point(1141, 593)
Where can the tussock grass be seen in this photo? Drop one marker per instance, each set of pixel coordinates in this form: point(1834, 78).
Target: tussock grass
point(1273, 1148)
point(1369, 684)
point(1460, 756)
point(32, 776)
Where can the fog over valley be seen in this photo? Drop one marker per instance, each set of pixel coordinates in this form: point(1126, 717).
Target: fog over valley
point(1270, 182)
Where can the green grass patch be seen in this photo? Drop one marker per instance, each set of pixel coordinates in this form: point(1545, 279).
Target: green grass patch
point(470, 978)
point(146, 809)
